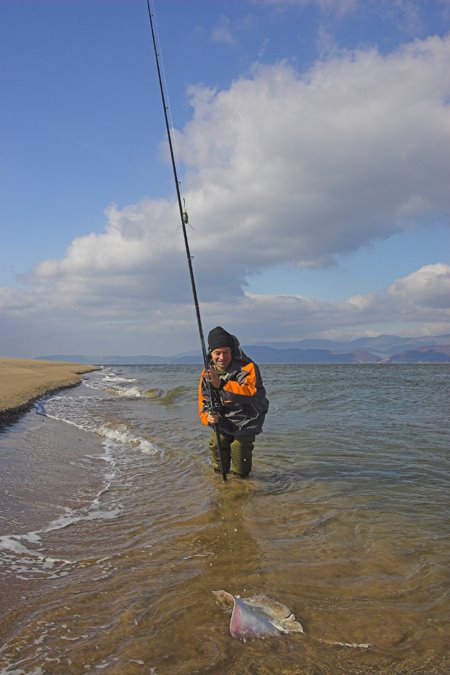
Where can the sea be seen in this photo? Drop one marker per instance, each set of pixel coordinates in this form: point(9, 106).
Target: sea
point(115, 531)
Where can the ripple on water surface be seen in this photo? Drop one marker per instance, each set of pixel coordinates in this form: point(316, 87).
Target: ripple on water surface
point(345, 521)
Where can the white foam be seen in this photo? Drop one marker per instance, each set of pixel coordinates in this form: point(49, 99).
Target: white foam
point(25, 555)
point(129, 392)
point(26, 563)
point(12, 542)
point(121, 434)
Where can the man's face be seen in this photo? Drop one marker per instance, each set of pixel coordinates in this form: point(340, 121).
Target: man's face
point(222, 358)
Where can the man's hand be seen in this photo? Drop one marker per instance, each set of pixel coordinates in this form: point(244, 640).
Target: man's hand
point(213, 418)
point(213, 377)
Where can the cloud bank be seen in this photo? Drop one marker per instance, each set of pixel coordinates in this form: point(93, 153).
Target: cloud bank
point(280, 168)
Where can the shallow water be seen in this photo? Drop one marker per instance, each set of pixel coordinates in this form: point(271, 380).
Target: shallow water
point(114, 531)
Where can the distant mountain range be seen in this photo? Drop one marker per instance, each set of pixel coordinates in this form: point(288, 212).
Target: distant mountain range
point(381, 349)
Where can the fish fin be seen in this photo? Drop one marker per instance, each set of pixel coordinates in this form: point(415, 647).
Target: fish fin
point(224, 597)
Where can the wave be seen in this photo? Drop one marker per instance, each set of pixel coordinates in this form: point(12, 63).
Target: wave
point(25, 555)
point(118, 378)
point(121, 434)
point(153, 394)
point(72, 410)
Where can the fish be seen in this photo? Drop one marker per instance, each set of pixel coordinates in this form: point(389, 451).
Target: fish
point(258, 616)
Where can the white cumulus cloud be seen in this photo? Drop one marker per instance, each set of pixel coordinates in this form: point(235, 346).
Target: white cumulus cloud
point(299, 169)
point(281, 168)
point(428, 287)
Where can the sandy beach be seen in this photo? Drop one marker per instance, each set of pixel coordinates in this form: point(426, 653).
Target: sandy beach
point(24, 380)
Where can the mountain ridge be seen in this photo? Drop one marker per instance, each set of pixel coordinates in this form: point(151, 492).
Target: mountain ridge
point(380, 349)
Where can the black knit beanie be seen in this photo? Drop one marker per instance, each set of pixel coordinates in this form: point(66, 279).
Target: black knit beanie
point(219, 337)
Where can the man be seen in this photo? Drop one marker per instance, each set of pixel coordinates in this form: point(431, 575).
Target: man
point(239, 403)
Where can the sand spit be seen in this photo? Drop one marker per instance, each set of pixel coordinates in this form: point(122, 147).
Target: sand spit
point(22, 381)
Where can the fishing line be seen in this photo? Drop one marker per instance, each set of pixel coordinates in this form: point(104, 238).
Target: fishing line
point(213, 394)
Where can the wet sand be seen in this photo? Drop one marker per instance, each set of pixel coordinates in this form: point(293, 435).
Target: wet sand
point(24, 380)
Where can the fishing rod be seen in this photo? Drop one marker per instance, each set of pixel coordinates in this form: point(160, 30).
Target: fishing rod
point(213, 394)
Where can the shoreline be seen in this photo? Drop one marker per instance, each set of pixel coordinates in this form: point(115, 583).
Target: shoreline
point(23, 381)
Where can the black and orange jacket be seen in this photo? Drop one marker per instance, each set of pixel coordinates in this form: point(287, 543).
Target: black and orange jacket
point(241, 397)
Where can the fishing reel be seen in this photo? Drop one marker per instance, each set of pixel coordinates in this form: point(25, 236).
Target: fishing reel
point(214, 407)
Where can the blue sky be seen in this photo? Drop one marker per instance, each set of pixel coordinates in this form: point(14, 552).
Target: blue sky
point(313, 144)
